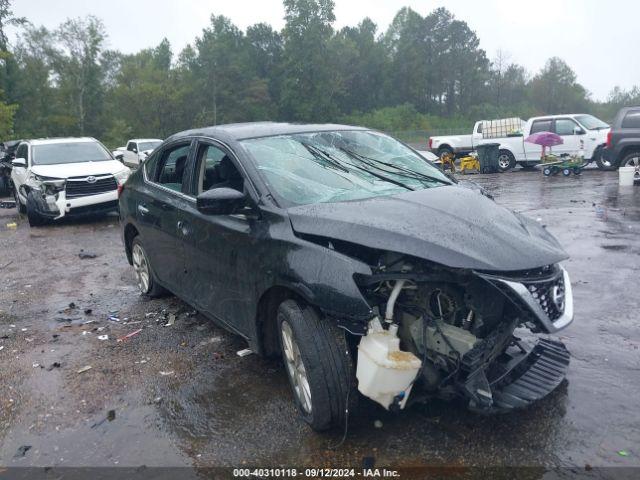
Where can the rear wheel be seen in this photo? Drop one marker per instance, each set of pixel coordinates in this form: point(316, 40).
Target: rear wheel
point(601, 161)
point(546, 171)
point(566, 172)
point(442, 151)
point(147, 283)
point(318, 364)
point(506, 160)
point(631, 160)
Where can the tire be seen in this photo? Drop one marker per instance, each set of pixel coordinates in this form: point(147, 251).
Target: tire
point(546, 171)
point(444, 151)
point(323, 383)
point(147, 282)
point(21, 208)
point(631, 160)
point(506, 160)
point(601, 162)
point(35, 219)
point(566, 172)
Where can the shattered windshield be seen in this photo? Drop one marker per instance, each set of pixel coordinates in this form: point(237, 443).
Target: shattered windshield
point(72, 152)
point(336, 166)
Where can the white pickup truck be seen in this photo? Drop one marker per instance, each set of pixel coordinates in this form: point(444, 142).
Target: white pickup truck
point(137, 150)
point(582, 134)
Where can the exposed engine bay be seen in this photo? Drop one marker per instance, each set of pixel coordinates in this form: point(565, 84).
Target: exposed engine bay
point(464, 326)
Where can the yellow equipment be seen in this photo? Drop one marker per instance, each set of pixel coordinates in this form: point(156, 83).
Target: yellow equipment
point(467, 163)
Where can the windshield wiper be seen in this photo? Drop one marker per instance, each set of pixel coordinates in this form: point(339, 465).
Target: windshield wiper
point(316, 152)
point(327, 155)
point(406, 171)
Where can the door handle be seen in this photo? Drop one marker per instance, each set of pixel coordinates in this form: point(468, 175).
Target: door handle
point(143, 210)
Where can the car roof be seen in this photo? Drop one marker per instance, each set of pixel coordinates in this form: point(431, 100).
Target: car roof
point(564, 115)
point(240, 131)
point(145, 140)
point(50, 141)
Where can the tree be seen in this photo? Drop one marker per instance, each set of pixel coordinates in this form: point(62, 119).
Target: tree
point(555, 89)
point(310, 82)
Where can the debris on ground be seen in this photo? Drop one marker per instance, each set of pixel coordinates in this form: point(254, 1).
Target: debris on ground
point(157, 400)
point(209, 341)
point(85, 255)
point(22, 450)
point(245, 352)
point(87, 311)
point(6, 265)
point(12, 225)
point(85, 368)
point(1, 347)
point(111, 416)
point(623, 453)
point(167, 373)
point(171, 321)
point(72, 305)
point(218, 355)
point(8, 204)
point(35, 365)
point(53, 365)
point(129, 335)
point(103, 337)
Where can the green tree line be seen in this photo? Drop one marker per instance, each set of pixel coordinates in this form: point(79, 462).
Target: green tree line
point(424, 73)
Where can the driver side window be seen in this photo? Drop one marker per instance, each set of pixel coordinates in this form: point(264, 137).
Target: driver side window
point(131, 147)
point(216, 170)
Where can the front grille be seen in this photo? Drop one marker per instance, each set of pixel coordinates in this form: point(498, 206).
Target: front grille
point(549, 295)
point(80, 187)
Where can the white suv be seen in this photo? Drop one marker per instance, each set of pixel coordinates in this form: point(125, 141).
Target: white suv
point(54, 177)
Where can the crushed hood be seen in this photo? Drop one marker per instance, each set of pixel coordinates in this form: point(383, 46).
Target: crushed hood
point(449, 225)
point(66, 170)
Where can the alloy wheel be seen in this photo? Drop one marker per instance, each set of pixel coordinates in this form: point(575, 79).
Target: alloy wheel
point(504, 161)
point(295, 368)
point(141, 267)
point(632, 162)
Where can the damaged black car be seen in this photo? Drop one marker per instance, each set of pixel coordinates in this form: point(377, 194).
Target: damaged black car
point(343, 250)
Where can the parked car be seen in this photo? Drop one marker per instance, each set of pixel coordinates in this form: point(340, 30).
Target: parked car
point(582, 134)
point(623, 141)
point(7, 154)
point(136, 151)
point(54, 177)
point(359, 262)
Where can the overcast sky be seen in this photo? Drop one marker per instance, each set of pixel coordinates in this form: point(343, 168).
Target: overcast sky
point(598, 39)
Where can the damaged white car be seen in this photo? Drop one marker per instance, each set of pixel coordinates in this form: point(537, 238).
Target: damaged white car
point(56, 177)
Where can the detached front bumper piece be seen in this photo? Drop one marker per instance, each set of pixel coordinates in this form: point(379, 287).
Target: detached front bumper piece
point(531, 377)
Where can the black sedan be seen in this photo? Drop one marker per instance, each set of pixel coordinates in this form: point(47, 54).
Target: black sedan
point(370, 271)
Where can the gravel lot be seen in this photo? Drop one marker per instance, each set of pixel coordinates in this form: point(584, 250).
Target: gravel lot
point(180, 396)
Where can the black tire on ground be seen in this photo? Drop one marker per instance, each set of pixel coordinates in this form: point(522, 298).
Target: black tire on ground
point(444, 151)
point(603, 164)
point(150, 287)
point(631, 160)
point(326, 363)
point(35, 219)
point(506, 160)
point(21, 208)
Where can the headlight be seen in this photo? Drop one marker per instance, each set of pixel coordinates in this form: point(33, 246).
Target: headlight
point(122, 176)
point(36, 181)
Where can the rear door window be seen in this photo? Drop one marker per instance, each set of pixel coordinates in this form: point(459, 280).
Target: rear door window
point(171, 169)
point(541, 126)
point(631, 119)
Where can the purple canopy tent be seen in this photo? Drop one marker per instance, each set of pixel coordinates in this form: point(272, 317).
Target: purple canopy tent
point(544, 139)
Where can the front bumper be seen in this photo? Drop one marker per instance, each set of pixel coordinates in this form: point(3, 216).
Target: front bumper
point(90, 204)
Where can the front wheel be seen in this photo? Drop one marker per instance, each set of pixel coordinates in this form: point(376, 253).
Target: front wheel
point(21, 208)
point(318, 364)
point(506, 160)
point(35, 219)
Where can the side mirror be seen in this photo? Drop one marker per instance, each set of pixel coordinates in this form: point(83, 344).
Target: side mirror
point(119, 156)
point(578, 131)
point(220, 201)
point(19, 163)
point(134, 150)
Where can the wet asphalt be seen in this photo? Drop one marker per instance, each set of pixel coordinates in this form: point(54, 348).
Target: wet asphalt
point(179, 395)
